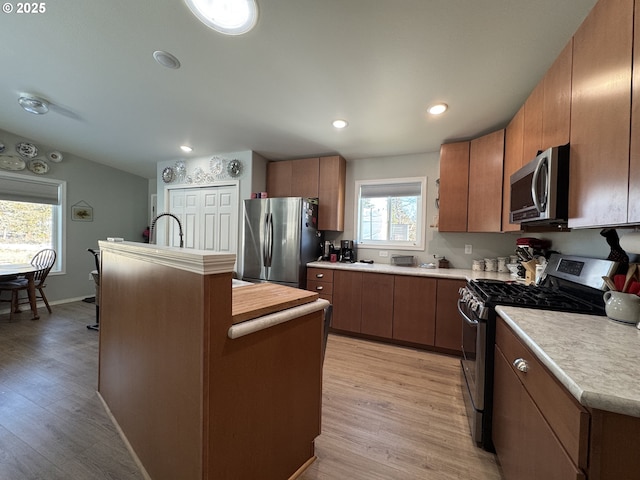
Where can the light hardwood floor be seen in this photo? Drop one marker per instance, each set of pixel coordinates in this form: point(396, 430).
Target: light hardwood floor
point(388, 412)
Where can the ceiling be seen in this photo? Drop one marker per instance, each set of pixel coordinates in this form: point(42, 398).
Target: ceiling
point(276, 90)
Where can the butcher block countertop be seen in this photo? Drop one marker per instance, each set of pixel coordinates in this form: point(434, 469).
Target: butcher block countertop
point(261, 299)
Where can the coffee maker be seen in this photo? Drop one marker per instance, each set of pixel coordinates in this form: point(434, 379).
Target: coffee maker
point(347, 251)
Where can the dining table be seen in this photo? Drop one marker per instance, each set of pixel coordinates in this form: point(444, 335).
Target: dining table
point(9, 271)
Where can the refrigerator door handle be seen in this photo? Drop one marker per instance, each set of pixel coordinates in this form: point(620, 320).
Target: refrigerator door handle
point(265, 244)
point(270, 240)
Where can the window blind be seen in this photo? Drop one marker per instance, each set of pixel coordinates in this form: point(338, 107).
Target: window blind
point(27, 189)
point(407, 189)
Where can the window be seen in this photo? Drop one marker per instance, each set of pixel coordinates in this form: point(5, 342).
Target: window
point(390, 213)
point(31, 218)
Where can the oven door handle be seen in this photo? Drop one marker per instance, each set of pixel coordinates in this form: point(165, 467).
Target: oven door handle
point(466, 318)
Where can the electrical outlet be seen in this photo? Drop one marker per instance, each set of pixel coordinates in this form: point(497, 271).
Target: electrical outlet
point(383, 253)
point(468, 249)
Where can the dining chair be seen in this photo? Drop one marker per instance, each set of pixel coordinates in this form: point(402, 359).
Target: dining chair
point(44, 261)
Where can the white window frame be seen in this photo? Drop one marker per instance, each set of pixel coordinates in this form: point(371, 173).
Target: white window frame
point(59, 225)
point(419, 244)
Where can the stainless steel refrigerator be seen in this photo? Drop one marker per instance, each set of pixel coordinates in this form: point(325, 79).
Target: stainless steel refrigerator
point(280, 237)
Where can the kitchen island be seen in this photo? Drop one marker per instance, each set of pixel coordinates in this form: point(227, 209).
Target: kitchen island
point(590, 361)
point(204, 380)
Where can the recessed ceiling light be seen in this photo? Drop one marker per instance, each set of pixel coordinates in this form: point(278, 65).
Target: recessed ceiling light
point(231, 17)
point(186, 148)
point(340, 123)
point(34, 105)
point(166, 59)
point(438, 108)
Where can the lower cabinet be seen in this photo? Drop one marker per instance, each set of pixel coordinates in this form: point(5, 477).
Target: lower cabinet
point(414, 309)
point(409, 309)
point(539, 429)
point(448, 323)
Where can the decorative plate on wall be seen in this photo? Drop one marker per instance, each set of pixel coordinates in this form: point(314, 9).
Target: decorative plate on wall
point(11, 162)
point(168, 174)
point(27, 150)
point(55, 157)
point(234, 168)
point(38, 166)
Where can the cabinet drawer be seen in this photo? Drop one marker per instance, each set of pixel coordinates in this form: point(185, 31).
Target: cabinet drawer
point(568, 419)
point(325, 288)
point(320, 274)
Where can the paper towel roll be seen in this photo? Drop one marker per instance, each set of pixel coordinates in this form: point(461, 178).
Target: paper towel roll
point(630, 242)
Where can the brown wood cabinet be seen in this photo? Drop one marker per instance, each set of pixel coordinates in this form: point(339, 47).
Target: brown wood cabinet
point(524, 441)
point(634, 159)
point(414, 309)
point(347, 300)
point(279, 179)
point(601, 115)
point(305, 175)
point(539, 429)
point(331, 191)
point(363, 303)
point(513, 160)
point(486, 161)
point(322, 177)
point(403, 308)
point(556, 123)
point(448, 325)
point(532, 140)
point(454, 187)
point(320, 280)
point(377, 305)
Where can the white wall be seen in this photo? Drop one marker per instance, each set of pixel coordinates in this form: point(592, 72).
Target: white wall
point(119, 201)
point(252, 179)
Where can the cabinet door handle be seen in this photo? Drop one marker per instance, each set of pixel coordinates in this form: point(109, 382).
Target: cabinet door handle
point(521, 364)
point(319, 275)
point(319, 287)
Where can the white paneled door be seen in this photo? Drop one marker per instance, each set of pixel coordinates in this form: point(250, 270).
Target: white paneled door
point(209, 217)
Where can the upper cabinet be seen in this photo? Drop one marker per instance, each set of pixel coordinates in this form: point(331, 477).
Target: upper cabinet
point(322, 177)
point(601, 116)
point(513, 160)
point(454, 187)
point(486, 159)
point(331, 191)
point(471, 176)
point(634, 160)
point(556, 108)
point(532, 135)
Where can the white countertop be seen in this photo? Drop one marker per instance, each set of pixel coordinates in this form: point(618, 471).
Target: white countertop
point(453, 273)
point(595, 358)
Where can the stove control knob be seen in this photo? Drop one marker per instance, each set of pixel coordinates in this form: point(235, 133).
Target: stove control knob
point(521, 364)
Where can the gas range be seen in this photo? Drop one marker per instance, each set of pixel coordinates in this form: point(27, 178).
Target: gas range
point(569, 284)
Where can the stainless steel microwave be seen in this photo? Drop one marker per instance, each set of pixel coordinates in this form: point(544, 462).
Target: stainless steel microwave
point(540, 189)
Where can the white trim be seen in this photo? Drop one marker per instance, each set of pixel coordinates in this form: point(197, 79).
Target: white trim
point(422, 214)
point(251, 326)
point(202, 262)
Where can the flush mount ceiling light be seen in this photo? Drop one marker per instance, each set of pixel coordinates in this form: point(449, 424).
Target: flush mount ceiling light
point(34, 105)
point(438, 108)
point(340, 123)
point(186, 148)
point(231, 17)
point(166, 59)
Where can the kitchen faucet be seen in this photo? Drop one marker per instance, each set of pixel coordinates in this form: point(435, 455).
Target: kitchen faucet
point(153, 224)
